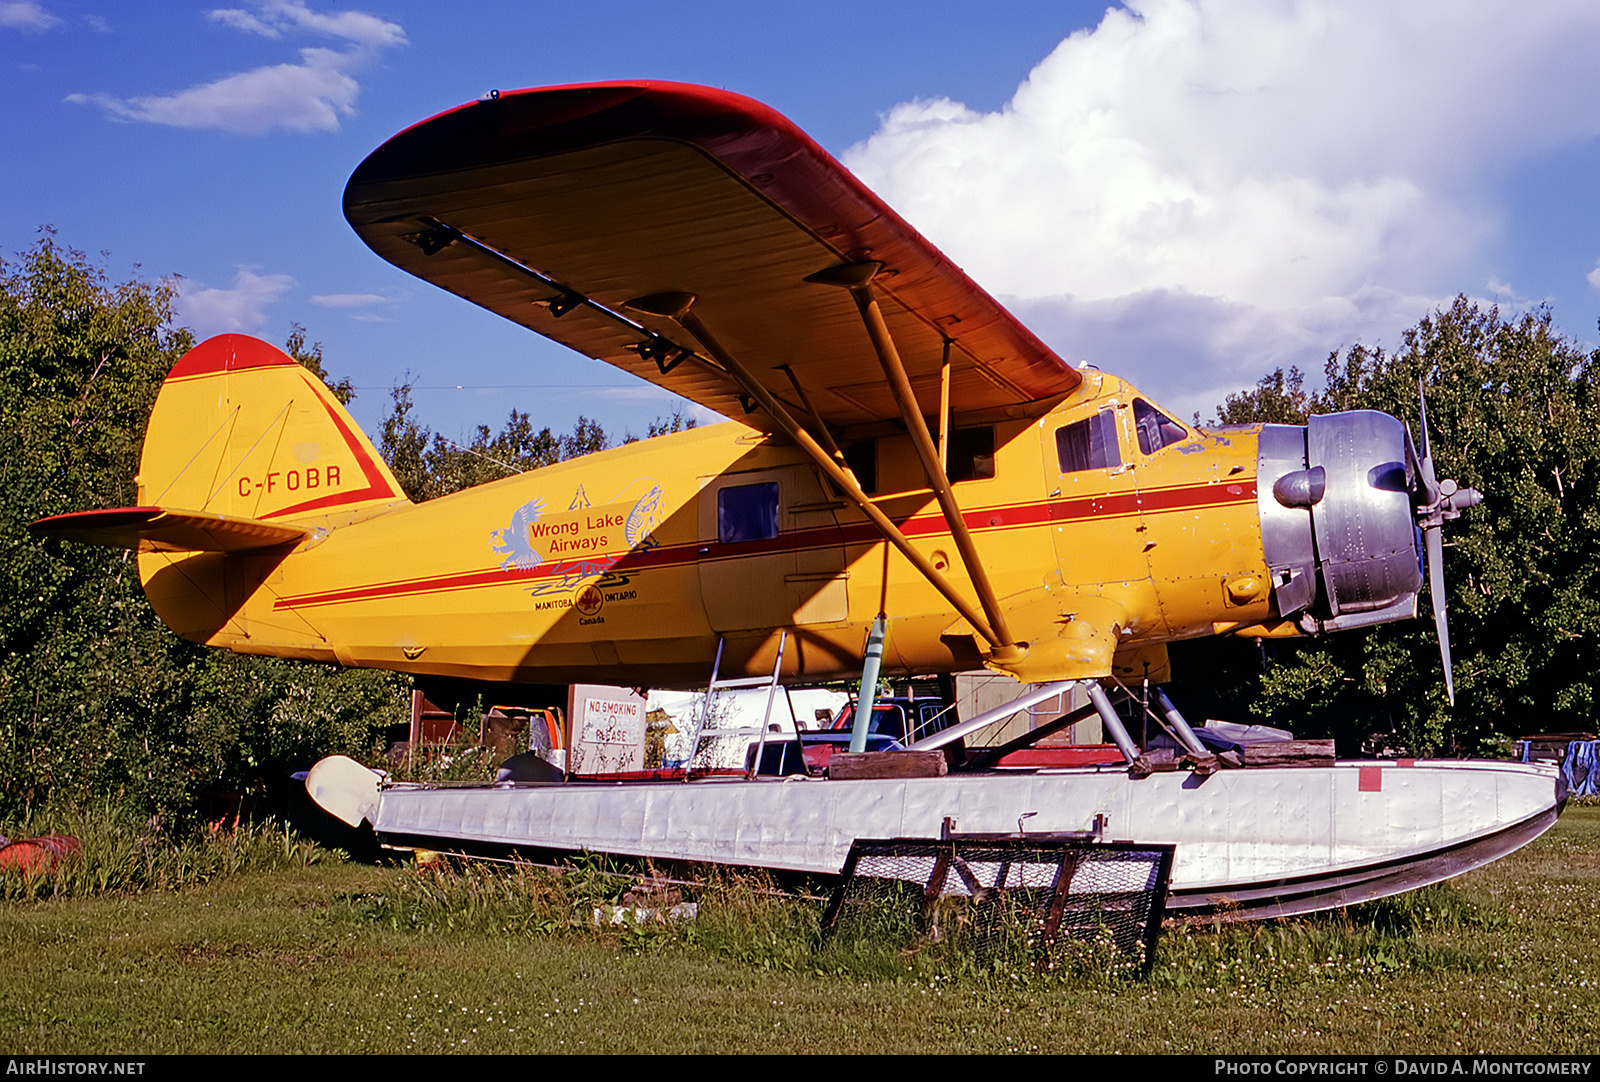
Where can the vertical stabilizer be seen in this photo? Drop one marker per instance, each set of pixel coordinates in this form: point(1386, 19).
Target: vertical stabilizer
point(241, 429)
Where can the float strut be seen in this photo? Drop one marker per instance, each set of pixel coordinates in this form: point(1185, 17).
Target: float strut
point(1109, 718)
point(869, 684)
point(1180, 727)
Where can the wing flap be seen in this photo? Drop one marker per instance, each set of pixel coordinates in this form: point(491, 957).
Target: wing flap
point(157, 529)
point(615, 191)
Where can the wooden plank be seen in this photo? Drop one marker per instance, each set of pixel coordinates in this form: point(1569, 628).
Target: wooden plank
point(1289, 753)
point(845, 766)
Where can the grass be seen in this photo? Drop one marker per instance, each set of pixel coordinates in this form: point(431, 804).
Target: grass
point(123, 854)
point(280, 952)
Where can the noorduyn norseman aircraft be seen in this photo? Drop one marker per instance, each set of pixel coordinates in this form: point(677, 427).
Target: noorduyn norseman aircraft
point(903, 451)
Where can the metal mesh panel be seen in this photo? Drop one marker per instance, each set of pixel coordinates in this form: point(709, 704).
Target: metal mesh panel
point(1049, 902)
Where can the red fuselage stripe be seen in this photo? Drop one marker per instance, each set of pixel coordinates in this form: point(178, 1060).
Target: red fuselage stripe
point(1013, 516)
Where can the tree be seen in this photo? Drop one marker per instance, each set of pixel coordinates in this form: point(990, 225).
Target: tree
point(1511, 408)
point(677, 421)
point(343, 389)
point(428, 465)
point(97, 698)
point(1277, 400)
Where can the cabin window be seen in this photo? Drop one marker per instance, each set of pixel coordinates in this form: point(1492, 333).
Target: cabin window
point(971, 456)
point(1089, 444)
point(1156, 429)
point(862, 458)
point(747, 512)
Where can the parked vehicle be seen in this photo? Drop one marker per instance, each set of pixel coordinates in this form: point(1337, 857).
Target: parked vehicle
point(896, 723)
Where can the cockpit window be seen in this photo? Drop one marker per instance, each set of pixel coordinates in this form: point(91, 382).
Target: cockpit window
point(1089, 444)
point(1156, 429)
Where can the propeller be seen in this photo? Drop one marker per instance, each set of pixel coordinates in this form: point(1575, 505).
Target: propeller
point(1436, 502)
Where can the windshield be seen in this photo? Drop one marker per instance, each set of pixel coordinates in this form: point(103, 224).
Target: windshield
point(886, 719)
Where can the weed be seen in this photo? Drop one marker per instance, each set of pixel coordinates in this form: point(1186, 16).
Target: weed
point(122, 853)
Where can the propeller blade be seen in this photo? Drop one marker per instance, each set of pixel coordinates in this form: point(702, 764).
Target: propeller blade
point(1425, 473)
point(1433, 537)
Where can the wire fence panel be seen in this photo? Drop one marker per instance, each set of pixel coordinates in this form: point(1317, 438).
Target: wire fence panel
point(1045, 901)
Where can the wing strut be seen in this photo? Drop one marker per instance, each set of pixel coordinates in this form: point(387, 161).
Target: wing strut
point(857, 278)
point(676, 307)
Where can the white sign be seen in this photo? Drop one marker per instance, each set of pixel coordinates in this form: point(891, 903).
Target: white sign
point(606, 721)
point(608, 729)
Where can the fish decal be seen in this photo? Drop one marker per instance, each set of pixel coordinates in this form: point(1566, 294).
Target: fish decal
point(645, 516)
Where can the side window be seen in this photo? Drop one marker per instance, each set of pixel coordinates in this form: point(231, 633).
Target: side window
point(971, 456)
point(1090, 444)
point(1156, 429)
point(747, 512)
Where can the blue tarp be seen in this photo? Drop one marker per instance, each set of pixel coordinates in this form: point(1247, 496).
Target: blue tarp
point(1581, 768)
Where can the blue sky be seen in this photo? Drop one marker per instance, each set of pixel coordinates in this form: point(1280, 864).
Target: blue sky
point(1188, 194)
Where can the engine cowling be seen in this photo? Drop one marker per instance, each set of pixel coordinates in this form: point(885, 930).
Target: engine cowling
point(1338, 524)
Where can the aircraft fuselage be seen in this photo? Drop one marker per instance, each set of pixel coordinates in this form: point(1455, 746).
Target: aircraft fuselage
point(629, 564)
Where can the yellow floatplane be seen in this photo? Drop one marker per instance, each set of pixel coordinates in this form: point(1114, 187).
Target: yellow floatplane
point(903, 453)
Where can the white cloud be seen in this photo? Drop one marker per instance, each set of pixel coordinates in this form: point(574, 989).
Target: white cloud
point(275, 17)
point(309, 96)
point(26, 15)
point(348, 300)
point(243, 20)
point(1593, 277)
point(210, 311)
point(1193, 192)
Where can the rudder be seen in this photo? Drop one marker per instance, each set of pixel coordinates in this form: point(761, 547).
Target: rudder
point(241, 429)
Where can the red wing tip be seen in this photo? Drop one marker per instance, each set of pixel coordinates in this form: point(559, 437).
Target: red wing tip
point(604, 95)
point(228, 353)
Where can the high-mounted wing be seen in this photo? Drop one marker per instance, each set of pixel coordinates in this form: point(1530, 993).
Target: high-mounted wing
point(557, 207)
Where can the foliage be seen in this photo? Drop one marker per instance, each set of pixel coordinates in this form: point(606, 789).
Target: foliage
point(342, 389)
point(1511, 409)
point(1277, 400)
point(678, 421)
point(97, 698)
point(428, 465)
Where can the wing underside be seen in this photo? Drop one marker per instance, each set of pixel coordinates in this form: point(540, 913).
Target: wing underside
point(555, 208)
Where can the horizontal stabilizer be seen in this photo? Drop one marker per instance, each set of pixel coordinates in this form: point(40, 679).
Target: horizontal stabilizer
point(157, 529)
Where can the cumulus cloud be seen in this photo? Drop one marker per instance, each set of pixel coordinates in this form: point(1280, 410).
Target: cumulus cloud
point(1593, 277)
point(26, 15)
point(209, 310)
point(277, 17)
point(1194, 191)
point(308, 96)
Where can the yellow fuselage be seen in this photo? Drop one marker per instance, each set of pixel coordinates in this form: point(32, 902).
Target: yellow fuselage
point(619, 568)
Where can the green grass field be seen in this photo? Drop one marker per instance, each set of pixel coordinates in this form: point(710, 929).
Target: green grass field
point(283, 948)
